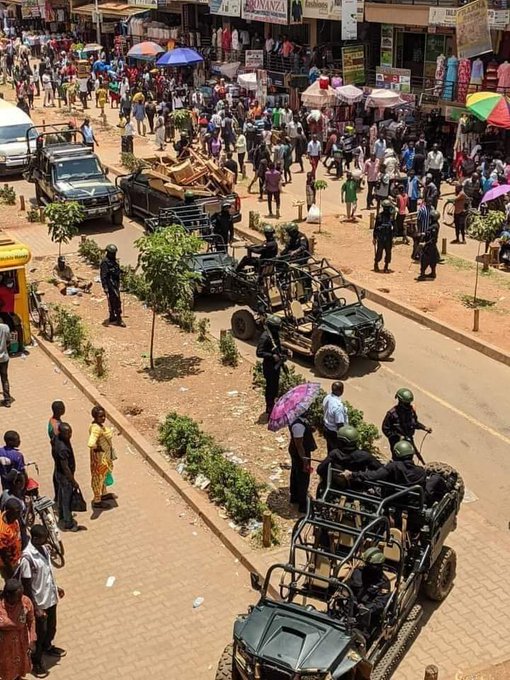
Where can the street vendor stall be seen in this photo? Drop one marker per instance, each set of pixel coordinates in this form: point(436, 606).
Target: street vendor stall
point(14, 257)
point(383, 99)
point(316, 96)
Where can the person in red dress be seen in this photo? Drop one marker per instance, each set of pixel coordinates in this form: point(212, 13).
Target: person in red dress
point(17, 631)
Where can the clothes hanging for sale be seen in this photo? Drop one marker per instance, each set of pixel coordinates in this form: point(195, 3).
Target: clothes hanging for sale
point(491, 77)
point(504, 78)
point(235, 40)
point(226, 39)
point(464, 75)
point(439, 75)
point(450, 81)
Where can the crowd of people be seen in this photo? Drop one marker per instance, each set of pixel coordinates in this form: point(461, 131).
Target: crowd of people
point(30, 595)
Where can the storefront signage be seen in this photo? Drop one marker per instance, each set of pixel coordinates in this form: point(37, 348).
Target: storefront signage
point(268, 11)
point(254, 58)
point(353, 65)
point(398, 79)
point(349, 20)
point(472, 29)
point(30, 9)
point(227, 8)
point(330, 9)
point(262, 87)
point(447, 16)
point(386, 45)
point(276, 79)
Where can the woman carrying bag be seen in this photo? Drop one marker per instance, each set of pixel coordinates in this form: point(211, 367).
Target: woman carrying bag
point(102, 456)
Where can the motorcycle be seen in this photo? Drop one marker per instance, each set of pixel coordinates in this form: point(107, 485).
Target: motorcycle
point(43, 507)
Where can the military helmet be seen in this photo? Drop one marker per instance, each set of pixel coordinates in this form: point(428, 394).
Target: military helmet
point(387, 203)
point(268, 229)
point(292, 228)
point(347, 434)
point(273, 320)
point(434, 215)
point(403, 449)
point(405, 395)
point(111, 248)
point(189, 195)
point(373, 556)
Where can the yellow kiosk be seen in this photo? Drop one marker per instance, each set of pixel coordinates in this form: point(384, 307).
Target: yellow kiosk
point(14, 257)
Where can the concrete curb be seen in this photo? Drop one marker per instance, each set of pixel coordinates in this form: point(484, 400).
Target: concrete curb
point(416, 315)
point(192, 497)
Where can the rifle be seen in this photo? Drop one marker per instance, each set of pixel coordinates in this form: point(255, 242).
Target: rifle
point(282, 353)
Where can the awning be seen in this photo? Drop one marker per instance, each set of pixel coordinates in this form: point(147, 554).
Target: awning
point(110, 10)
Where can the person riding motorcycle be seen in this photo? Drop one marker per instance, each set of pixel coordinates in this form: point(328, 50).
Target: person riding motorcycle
point(401, 422)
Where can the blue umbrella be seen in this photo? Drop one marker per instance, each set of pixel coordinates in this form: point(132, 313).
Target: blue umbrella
point(181, 56)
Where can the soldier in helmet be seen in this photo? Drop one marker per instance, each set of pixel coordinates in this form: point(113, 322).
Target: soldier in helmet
point(429, 256)
point(223, 224)
point(265, 251)
point(371, 590)
point(297, 248)
point(401, 470)
point(346, 456)
point(401, 422)
point(383, 236)
point(110, 280)
point(269, 349)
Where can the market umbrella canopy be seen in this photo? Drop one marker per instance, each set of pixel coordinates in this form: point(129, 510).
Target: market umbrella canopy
point(247, 80)
point(292, 404)
point(317, 97)
point(180, 56)
point(145, 50)
point(349, 94)
point(490, 106)
point(383, 99)
point(496, 192)
point(92, 47)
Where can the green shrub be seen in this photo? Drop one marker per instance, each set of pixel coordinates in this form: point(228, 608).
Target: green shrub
point(91, 252)
point(229, 485)
point(131, 162)
point(133, 282)
point(7, 195)
point(203, 329)
point(70, 329)
point(33, 215)
point(184, 318)
point(228, 350)
point(290, 378)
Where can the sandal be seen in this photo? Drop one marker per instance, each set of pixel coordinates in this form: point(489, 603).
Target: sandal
point(108, 497)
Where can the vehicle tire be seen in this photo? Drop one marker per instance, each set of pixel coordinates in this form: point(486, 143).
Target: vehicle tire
point(441, 575)
point(46, 327)
point(332, 362)
point(224, 671)
point(385, 346)
point(128, 206)
point(243, 324)
point(118, 217)
point(450, 475)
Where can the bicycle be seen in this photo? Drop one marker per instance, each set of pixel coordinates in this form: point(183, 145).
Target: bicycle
point(43, 507)
point(39, 313)
point(449, 211)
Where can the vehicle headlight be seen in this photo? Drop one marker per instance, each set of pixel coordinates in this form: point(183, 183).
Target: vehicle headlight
point(3, 158)
point(350, 332)
point(117, 198)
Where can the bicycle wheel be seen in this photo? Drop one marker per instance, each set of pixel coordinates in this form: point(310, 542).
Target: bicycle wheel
point(46, 326)
point(448, 211)
point(33, 309)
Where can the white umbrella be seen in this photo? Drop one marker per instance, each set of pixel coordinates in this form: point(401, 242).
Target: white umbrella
point(247, 80)
point(383, 99)
point(92, 47)
point(316, 97)
point(349, 94)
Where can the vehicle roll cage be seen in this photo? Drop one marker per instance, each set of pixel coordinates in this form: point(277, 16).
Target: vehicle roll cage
point(64, 135)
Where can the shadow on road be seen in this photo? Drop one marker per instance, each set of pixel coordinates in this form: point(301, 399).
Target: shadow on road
point(173, 366)
point(278, 502)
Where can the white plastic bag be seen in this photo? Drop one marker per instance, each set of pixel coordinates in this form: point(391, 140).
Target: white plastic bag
point(314, 215)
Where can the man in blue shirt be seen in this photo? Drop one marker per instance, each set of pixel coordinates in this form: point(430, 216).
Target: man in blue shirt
point(413, 191)
point(408, 157)
point(10, 456)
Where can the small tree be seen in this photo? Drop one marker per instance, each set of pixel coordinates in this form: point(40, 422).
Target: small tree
point(484, 229)
point(165, 257)
point(64, 219)
point(319, 186)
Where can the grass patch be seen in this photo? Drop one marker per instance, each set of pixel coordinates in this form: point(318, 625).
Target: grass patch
point(480, 303)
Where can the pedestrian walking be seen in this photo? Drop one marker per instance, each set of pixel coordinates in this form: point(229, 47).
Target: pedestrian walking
point(47, 89)
point(314, 150)
point(349, 196)
point(273, 184)
point(380, 146)
point(310, 189)
point(40, 587)
point(5, 342)
point(371, 172)
point(413, 191)
point(241, 152)
point(100, 445)
point(300, 147)
point(17, 631)
point(335, 414)
point(286, 154)
point(138, 111)
point(434, 166)
point(383, 236)
point(88, 134)
point(150, 112)
point(160, 131)
point(10, 538)
point(301, 446)
point(402, 201)
point(269, 349)
point(65, 468)
point(459, 214)
point(429, 255)
point(109, 271)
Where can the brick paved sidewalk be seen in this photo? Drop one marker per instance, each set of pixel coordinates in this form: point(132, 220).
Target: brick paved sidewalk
point(161, 556)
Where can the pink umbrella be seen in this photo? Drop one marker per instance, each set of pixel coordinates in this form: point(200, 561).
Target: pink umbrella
point(292, 404)
point(492, 194)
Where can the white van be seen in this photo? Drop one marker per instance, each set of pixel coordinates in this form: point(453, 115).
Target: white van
point(14, 124)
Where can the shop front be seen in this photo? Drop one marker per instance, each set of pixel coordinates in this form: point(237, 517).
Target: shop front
point(14, 257)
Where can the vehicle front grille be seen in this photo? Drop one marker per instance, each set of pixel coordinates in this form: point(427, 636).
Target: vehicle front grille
point(99, 202)
point(272, 673)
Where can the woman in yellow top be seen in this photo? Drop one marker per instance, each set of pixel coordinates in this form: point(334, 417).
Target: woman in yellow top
point(102, 97)
point(101, 456)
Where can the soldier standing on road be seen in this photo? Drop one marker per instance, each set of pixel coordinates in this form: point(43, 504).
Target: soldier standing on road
point(110, 280)
point(269, 349)
point(383, 236)
point(401, 422)
point(223, 225)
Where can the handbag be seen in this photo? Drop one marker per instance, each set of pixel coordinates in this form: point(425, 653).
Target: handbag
point(78, 503)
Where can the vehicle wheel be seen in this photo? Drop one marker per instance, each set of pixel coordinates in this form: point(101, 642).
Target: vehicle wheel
point(332, 361)
point(117, 217)
point(128, 207)
point(47, 329)
point(441, 576)
point(224, 671)
point(385, 347)
point(243, 324)
point(450, 475)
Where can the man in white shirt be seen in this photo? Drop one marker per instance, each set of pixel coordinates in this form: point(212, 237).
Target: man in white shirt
point(380, 147)
point(335, 415)
point(314, 150)
point(39, 585)
point(434, 165)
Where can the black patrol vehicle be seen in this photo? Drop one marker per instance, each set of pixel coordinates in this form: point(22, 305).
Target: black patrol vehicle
point(308, 624)
point(323, 315)
point(64, 169)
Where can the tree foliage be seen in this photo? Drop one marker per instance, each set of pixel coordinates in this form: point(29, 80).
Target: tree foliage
point(64, 219)
point(486, 228)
